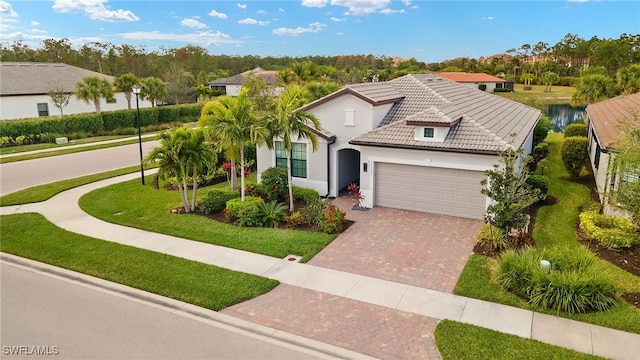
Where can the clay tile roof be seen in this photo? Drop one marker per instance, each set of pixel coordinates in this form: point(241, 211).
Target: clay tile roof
point(269, 77)
point(606, 115)
point(462, 77)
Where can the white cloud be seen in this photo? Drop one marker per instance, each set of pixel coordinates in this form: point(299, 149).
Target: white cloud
point(261, 12)
point(313, 28)
point(406, 2)
point(488, 18)
point(34, 23)
point(38, 31)
point(360, 7)
point(389, 11)
point(314, 3)
point(95, 9)
point(242, 6)
point(281, 9)
point(218, 15)
point(250, 21)
point(335, 19)
point(6, 11)
point(193, 23)
point(205, 38)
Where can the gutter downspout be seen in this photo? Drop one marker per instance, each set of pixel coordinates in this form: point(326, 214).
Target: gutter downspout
point(333, 140)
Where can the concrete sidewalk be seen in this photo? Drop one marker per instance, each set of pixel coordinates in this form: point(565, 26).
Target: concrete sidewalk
point(63, 210)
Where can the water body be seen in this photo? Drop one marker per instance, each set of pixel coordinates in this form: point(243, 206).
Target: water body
point(562, 115)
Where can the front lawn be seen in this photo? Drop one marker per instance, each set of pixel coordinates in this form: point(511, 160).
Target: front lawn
point(144, 207)
point(32, 236)
point(554, 225)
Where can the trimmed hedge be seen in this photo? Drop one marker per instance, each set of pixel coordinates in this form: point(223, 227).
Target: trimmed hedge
point(574, 152)
point(575, 129)
point(216, 200)
point(307, 195)
point(539, 182)
point(610, 231)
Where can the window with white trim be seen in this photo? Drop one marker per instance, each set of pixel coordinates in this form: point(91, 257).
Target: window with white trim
point(298, 158)
point(429, 133)
point(43, 109)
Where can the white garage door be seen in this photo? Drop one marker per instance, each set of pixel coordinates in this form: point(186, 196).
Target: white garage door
point(430, 189)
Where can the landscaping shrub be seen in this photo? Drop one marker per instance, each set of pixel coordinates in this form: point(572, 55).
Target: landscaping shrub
point(333, 220)
point(275, 185)
point(6, 141)
point(245, 212)
point(573, 284)
point(501, 90)
point(272, 213)
point(492, 237)
point(610, 231)
point(305, 194)
point(574, 153)
point(119, 119)
point(295, 219)
point(216, 200)
point(482, 87)
point(541, 130)
point(314, 211)
point(541, 151)
point(539, 182)
point(528, 88)
point(575, 129)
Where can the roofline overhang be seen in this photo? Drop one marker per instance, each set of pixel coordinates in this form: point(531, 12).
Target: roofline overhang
point(349, 91)
point(434, 124)
point(409, 147)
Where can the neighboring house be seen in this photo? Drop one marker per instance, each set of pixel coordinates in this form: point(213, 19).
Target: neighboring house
point(603, 120)
point(475, 79)
point(418, 142)
point(232, 85)
point(24, 88)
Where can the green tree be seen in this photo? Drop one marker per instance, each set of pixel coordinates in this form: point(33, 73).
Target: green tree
point(183, 154)
point(627, 165)
point(203, 91)
point(592, 88)
point(549, 78)
point(629, 79)
point(124, 83)
point(60, 98)
point(288, 122)
point(153, 89)
point(541, 130)
point(574, 154)
point(316, 90)
point(510, 195)
point(231, 122)
point(92, 89)
point(527, 78)
point(258, 91)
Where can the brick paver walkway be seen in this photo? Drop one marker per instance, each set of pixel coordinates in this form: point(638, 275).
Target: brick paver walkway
point(382, 243)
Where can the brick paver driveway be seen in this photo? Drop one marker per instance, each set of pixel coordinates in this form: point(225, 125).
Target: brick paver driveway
point(408, 247)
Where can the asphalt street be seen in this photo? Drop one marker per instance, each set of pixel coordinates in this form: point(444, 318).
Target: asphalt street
point(23, 174)
point(53, 316)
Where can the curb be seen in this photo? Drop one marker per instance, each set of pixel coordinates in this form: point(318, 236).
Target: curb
point(296, 342)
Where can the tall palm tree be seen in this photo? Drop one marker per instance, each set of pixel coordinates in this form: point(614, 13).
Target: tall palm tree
point(153, 89)
point(182, 154)
point(288, 121)
point(93, 88)
point(233, 124)
point(125, 84)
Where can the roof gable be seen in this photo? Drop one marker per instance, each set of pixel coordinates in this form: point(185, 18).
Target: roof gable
point(269, 77)
point(605, 117)
point(372, 93)
point(31, 78)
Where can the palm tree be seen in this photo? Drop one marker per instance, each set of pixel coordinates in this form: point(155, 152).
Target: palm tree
point(182, 154)
point(549, 78)
point(93, 88)
point(230, 121)
point(527, 77)
point(288, 121)
point(592, 88)
point(125, 84)
point(153, 89)
point(629, 79)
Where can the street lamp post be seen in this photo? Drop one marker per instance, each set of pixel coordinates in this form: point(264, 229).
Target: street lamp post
point(136, 90)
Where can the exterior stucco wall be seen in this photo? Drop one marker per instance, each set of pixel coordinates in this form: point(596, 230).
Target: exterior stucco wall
point(20, 107)
point(233, 90)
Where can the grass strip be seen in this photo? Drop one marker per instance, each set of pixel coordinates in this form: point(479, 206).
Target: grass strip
point(458, 341)
point(143, 207)
point(32, 236)
point(46, 191)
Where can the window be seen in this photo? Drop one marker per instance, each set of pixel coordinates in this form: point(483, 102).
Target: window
point(596, 158)
point(428, 133)
point(43, 109)
point(298, 158)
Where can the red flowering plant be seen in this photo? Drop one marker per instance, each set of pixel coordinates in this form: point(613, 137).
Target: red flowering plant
point(353, 188)
point(226, 166)
point(333, 219)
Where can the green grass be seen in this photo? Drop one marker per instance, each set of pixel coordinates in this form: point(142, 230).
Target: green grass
point(558, 95)
point(64, 151)
point(32, 236)
point(554, 225)
point(46, 191)
point(458, 341)
point(143, 207)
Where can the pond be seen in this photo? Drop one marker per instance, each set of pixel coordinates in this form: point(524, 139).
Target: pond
point(562, 115)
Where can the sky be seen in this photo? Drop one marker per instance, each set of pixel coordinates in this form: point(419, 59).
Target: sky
point(429, 31)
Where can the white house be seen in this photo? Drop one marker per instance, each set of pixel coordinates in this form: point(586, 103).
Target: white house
point(24, 88)
point(418, 142)
point(474, 80)
point(232, 85)
point(603, 119)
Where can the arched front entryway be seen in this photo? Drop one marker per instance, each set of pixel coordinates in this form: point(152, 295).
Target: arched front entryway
point(348, 168)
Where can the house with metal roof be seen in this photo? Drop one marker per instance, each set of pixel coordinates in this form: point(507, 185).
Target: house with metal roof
point(418, 142)
point(232, 85)
point(24, 88)
point(604, 121)
point(474, 80)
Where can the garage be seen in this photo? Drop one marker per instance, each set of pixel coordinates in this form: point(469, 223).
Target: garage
point(430, 189)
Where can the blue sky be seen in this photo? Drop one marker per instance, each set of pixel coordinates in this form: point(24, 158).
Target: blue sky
point(430, 31)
